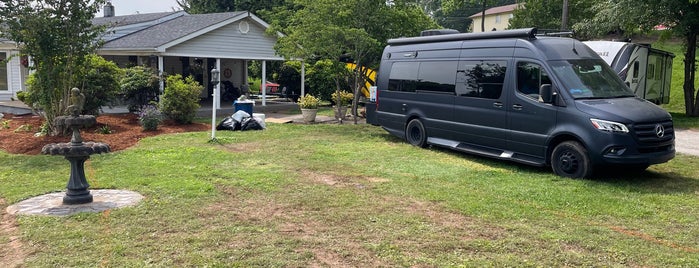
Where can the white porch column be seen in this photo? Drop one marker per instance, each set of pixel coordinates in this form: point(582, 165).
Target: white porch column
point(303, 78)
point(161, 68)
point(263, 88)
point(217, 87)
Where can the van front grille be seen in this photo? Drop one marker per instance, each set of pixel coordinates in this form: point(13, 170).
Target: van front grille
point(652, 135)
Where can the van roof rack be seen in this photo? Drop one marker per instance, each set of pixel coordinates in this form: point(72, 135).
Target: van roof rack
point(554, 32)
point(527, 33)
point(438, 32)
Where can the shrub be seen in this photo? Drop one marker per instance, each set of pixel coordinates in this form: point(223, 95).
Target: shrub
point(180, 100)
point(139, 87)
point(99, 83)
point(309, 101)
point(345, 97)
point(150, 117)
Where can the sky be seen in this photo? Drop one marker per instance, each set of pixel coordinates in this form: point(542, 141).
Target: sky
point(130, 7)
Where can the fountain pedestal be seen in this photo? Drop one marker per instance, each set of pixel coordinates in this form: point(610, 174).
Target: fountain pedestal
point(76, 152)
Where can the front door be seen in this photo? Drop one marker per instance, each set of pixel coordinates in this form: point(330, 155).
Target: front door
point(530, 121)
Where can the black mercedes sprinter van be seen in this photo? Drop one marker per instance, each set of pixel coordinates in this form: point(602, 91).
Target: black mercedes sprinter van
point(518, 96)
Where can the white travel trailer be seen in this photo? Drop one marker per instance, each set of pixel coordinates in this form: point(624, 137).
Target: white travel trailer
point(647, 71)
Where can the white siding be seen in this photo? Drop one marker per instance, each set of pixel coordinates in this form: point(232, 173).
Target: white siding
point(229, 42)
point(15, 72)
point(14, 76)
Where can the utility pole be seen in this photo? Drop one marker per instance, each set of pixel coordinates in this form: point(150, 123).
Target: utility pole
point(564, 19)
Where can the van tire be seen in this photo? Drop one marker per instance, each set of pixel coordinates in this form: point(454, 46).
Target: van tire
point(415, 133)
point(570, 159)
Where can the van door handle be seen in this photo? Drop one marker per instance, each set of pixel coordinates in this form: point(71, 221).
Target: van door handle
point(517, 107)
point(497, 105)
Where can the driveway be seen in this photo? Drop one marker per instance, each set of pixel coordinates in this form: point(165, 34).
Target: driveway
point(687, 141)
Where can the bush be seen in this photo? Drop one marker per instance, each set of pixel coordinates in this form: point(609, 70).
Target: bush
point(140, 86)
point(150, 117)
point(309, 101)
point(99, 83)
point(180, 100)
point(320, 79)
point(345, 97)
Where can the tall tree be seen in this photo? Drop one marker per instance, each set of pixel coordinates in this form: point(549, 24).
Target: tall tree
point(632, 16)
point(327, 29)
point(547, 14)
point(214, 6)
point(57, 35)
point(458, 12)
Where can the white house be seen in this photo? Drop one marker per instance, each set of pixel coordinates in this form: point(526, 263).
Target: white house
point(174, 43)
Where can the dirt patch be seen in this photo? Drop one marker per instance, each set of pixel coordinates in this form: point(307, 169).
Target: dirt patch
point(17, 132)
point(12, 253)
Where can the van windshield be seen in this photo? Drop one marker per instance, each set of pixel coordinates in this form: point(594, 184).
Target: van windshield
point(590, 79)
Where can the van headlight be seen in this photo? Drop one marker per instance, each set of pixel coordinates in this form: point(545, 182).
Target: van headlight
point(609, 126)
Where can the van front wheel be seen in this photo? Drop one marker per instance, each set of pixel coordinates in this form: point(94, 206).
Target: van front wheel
point(569, 159)
point(415, 133)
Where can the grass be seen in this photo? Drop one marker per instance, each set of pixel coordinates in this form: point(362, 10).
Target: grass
point(676, 107)
point(351, 195)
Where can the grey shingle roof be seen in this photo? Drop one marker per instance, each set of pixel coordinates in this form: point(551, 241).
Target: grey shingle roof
point(169, 31)
point(130, 19)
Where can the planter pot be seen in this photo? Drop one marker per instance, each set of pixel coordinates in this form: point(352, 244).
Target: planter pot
point(309, 115)
point(340, 115)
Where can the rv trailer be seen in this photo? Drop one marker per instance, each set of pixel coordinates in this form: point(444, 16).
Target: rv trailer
point(647, 71)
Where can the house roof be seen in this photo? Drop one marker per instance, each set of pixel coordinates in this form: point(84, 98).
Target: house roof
point(174, 31)
point(133, 19)
point(497, 10)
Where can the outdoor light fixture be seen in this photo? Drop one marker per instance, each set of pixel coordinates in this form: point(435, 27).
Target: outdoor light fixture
point(215, 76)
point(215, 79)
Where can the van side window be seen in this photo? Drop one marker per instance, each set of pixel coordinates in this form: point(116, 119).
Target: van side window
point(403, 76)
point(530, 77)
point(480, 79)
point(438, 76)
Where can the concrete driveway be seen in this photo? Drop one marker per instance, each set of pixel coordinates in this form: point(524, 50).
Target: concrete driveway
point(687, 141)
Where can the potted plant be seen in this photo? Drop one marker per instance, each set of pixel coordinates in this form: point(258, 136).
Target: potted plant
point(343, 99)
point(309, 107)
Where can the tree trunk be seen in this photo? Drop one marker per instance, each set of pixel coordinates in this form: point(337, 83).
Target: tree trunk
point(690, 100)
point(483, 17)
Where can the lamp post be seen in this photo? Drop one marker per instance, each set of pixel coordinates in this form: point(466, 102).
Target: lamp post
point(215, 79)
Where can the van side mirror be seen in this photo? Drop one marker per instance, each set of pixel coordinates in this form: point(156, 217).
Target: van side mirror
point(546, 93)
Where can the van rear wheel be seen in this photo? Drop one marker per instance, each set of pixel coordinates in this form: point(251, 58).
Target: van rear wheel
point(570, 159)
point(415, 133)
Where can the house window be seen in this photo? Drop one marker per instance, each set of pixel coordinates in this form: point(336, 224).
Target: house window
point(3, 72)
point(497, 19)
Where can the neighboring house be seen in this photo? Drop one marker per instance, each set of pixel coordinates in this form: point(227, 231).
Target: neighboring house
point(13, 70)
point(496, 18)
point(177, 43)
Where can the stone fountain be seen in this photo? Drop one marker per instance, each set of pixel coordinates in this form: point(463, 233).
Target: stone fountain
point(76, 151)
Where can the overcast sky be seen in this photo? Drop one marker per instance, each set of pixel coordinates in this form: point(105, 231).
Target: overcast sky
point(130, 7)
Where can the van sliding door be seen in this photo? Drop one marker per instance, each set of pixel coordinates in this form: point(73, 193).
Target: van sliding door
point(480, 105)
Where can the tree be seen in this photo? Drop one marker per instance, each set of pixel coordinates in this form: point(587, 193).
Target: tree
point(466, 8)
point(357, 29)
point(214, 6)
point(632, 16)
point(57, 35)
point(546, 14)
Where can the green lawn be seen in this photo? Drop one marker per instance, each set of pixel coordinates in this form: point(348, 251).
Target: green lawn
point(676, 106)
point(351, 195)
